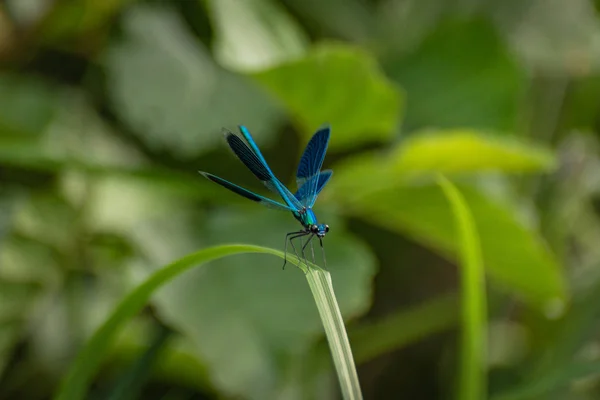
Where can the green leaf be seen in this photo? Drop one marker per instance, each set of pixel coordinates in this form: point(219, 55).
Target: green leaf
point(460, 76)
point(164, 84)
point(251, 328)
point(472, 382)
point(89, 358)
point(427, 153)
point(465, 150)
point(255, 34)
point(514, 254)
point(341, 85)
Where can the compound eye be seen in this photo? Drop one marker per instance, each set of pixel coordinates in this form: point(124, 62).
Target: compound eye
point(326, 228)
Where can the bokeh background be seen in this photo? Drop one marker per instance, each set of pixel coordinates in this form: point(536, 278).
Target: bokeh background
point(109, 108)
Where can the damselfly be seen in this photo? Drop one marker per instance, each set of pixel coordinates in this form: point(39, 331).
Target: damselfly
point(309, 178)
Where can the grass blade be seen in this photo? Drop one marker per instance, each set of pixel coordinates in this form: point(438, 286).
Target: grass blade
point(320, 284)
point(74, 385)
point(472, 383)
point(88, 360)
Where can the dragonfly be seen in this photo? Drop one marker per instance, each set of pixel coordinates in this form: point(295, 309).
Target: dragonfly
point(309, 179)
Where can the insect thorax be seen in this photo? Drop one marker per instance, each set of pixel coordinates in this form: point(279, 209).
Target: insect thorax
point(306, 217)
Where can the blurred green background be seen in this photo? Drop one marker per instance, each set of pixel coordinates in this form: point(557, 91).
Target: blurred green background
point(108, 109)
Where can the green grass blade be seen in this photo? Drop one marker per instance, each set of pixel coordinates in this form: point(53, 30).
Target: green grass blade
point(472, 383)
point(88, 360)
point(322, 289)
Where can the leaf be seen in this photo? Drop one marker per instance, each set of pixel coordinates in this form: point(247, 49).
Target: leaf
point(341, 85)
point(251, 326)
point(166, 87)
point(546, 40)
point(255, 34)
point(427, 153)
point(472, 383)
point(27, 106)
point(460, 76)
point(466, 150)
point(515, 256)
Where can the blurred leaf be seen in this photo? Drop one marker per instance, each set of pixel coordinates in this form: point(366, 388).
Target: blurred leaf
point(403, 24)
point(25, 259)
point(9, 336)
point(373, 339)
point(515, 256)
point(130, 383)
point(75, 138)
point(15, 299)
point(460, 76)
point(165, 86)
point(27, 105)
point(581, 103)
point(265, 330)
point(472, 377)
point(49, 219)
point(352, 20)
point(552, 382)
point(175, 364)
point(254, 34)
point(426, 153)
point(455, 151)
point(68, 19)
point(76, 381)
point(341, 85)
point(552, 36)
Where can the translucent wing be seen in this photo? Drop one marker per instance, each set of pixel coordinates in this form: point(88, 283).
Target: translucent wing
point(306, 195)
point(246, 193)
point(311, 163)
point(254, 160)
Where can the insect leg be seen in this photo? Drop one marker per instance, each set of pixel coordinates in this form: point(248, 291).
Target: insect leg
point(297, 234)
point(304, 247)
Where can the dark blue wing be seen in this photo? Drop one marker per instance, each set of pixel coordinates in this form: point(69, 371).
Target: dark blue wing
point(312, 161)
point(305, 194)
point(254, 160)
point(246, 193)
